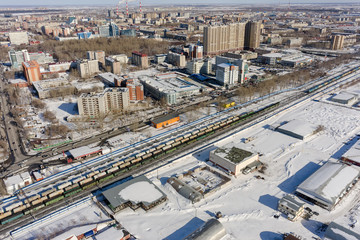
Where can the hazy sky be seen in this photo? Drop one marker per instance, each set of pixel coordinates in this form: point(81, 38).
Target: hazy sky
point(159, 2)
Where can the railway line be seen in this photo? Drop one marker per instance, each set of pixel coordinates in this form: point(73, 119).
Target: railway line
point(79, 186)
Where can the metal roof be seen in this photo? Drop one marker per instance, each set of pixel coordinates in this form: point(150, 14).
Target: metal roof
point(165, 118)
point(212, 230)
point(115, 198)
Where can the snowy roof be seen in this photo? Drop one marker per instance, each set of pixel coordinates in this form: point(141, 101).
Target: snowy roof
point(272, 55)
point(110, 233)
point(83, 151)
point(329, 182)
point(233, 154)
point(137, 190)
point(298, 127)
point(338, 232)
point(353, 153)
point(109, 78)
point(343, 96)
point(212, 230)
point(292, 202)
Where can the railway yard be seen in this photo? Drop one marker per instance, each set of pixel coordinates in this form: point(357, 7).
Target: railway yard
point(168, 148)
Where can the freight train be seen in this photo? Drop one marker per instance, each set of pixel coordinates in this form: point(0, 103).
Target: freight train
point(312, 89)
point(72, 187)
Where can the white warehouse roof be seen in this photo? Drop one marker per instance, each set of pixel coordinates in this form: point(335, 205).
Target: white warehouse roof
point(328, 183)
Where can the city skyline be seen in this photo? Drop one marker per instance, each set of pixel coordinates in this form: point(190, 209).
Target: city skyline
point(20, 3)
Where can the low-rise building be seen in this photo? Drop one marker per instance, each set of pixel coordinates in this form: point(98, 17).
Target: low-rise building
point(17, 38)
point(165, 120)
point(344, 98)
point(31, 71)
point(53, 87)
point(232, 159)
point(291, 206)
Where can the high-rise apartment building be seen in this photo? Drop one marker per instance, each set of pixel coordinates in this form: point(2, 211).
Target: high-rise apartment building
point(218, 39)
point(235, 36)
point(337, 42)
point(252, 35)
point(31, 71)
point(176, 59)
point(87, 68)
point(99, 104)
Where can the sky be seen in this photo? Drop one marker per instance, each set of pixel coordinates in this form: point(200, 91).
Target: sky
point(159, 2)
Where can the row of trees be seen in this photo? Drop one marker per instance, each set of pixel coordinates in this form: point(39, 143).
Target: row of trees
point(76, 49)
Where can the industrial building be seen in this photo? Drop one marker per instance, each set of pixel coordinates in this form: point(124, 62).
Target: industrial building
point(298, 129)
point(345, 98)
point(111, 100)
point(83, 152)
point(337, 232)
point(165, 120)
point(211, 230)
point(31, 71)
point(227, 74)
point(198, 183)
point(329, 184)
point(291, 206)
point(353, 154)
point(45, 88)
point(170, 86)
point(232, 159)
point(18, 38)
point(140, 59)
point(136, 193)
point(87, 68)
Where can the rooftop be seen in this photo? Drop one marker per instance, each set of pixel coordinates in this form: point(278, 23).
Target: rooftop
point(353, 153)
point(299, 127)
point(233, 154)
point(292, 202)
point(137, 190)
point(165, 118)
point(329, 181)
point(83, 151)
point(343, 96)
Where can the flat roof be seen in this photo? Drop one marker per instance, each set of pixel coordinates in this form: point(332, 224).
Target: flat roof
point(292, 202)
point(343, 96)
point(164, 118)
point(233, 154)
point(136, 190)
point(353, 153)
point(83, 151)
point(299, 127)
point(337, 232)
point(329, 182)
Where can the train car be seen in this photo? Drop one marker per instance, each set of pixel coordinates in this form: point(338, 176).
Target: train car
point(11, 218)
point(13, 206)
point(124, 165)
point(5, 215)
point(160, 146)
point(192, 137)
point(202, 129)
point(21, 208)
point(179, 138)
point(146, 156)
point(130, 159)
point(136, 160)
point(112, 170)
point(150, 150)
point(64, 185)
point(187, 135)
point(140, 154)
point(55, 194)
point(91, 174)
point(157, 152)
point(166, 148)
point(216, 127)
point(184, 140)
point(86, 181)
point(177, 143)
point(195, 132)
point(77, 180)
point(169, 142)
point(32, 198)
point(208, 130)
point(100, 176)
point(117, 164)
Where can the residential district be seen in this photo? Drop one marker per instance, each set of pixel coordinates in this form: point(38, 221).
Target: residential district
point(133, 121)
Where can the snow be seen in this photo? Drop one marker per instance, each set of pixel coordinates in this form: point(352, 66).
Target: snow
point(140, 192)
point(344, 235)
point(299, 127)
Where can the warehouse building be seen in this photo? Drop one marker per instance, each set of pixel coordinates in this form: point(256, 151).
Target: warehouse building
point(165, 120)
point(344, 98)
point(337, 232)
point(329, 184)
point(83, 152)
point(136, 193)
point(298, 129)
point(170, 86)
point(353, 154)
point(211, 230)
point(232, 159)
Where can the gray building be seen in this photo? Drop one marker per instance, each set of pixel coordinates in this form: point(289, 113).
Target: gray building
point(87, 68)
